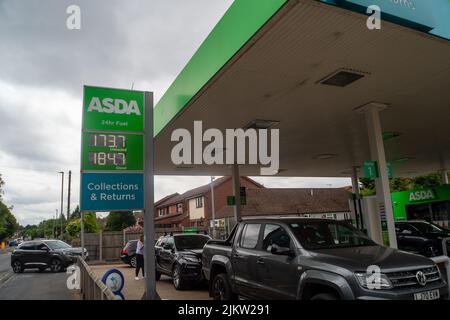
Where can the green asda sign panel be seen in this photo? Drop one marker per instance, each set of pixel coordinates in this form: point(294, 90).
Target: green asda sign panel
point(420, 196)
point(110, 109)
point(112, 149)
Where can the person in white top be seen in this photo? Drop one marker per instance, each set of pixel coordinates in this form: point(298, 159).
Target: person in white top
point(140, 257)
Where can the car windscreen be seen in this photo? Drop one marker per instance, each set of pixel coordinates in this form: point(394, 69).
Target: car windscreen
point(328, 234)
point(55, 245)
point(427, 227)
point(190, 242)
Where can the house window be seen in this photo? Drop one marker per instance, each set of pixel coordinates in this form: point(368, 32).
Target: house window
point(163, 211)
point(199, 202)
point(180, 208)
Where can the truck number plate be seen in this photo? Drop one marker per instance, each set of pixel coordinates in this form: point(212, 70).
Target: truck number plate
point(428, 295)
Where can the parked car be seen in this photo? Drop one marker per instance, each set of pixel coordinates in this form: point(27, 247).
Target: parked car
point(54, 254)
point(179, 256)
point(128, 253)
point(15, 242)
point(421, 237)
point(314, 259)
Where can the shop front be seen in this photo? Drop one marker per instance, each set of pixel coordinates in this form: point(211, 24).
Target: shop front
point(430, 204)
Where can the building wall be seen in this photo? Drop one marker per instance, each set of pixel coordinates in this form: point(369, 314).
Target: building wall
point(221, 193)
point(173, 209)
point(194, 212)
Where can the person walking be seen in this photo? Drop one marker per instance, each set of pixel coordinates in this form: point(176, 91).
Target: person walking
point(140, 257)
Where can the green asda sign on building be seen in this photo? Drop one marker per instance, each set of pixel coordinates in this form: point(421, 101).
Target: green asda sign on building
point(413, 198)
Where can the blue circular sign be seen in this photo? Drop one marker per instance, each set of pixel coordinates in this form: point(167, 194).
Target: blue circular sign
point(114, 280)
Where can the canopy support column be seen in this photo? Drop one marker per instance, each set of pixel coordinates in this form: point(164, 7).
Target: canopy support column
point(372, 114)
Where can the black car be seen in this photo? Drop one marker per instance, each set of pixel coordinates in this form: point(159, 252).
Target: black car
point(421, 237)
point(179, 256)
point(54, 254)
point(128, 253)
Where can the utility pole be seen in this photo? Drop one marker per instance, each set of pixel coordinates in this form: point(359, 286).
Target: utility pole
point(68, 194)
point(213, 209)
point(54, 226)
point(62, 200)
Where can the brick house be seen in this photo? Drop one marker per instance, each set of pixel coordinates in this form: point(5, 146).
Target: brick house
point(193, 208)
point(330, 203)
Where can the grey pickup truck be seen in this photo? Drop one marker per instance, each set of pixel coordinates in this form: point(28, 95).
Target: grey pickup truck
point(314, 259)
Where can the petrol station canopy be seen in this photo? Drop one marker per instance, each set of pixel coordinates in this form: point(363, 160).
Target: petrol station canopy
point(308, 65)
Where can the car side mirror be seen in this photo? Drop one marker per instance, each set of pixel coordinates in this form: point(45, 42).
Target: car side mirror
point(282, 251)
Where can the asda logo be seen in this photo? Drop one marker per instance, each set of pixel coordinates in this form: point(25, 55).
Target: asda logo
point(421, 195)
point(117, 106)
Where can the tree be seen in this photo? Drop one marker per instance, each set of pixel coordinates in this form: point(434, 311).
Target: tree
point(117, 221)
point(76, 214)
point(403, 184)
point(427, 181)
point(2, 183)
point(90, 225)
point(8, 223)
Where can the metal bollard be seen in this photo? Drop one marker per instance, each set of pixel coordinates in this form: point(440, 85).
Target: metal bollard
point(446, 261)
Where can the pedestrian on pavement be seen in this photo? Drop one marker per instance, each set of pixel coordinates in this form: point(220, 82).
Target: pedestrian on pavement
point(140, 257)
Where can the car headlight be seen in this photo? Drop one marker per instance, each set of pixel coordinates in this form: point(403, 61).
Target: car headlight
point(373, 281)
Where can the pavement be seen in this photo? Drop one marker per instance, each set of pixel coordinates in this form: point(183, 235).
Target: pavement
point(134, 289)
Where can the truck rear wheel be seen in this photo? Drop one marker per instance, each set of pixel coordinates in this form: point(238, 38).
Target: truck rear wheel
point(221, 288)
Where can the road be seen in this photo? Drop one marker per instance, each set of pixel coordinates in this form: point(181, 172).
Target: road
point(32, 285)
point(5, 267)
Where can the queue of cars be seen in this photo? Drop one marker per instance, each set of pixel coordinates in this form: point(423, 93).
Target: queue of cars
point(298, 258)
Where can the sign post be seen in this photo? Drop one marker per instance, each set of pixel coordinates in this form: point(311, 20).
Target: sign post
point(117, 132)
point(149, 222)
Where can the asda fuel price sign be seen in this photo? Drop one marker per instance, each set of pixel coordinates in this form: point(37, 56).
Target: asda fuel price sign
point(112, 152)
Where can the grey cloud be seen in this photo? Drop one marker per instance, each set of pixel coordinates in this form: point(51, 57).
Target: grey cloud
point(120, 41)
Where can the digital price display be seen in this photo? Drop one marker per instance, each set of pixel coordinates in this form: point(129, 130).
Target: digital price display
point(109, 151)
point(107, 158)
point(107, 141)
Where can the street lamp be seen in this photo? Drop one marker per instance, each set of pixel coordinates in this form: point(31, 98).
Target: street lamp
point(62, 195)
point(213, 209)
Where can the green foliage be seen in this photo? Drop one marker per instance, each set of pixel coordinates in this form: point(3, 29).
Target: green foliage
point(8, 223)
point(430, 180)
point(30, 231)
point(73, 229)
point(2, 183)
point(117, 221)
point(75, 213)
point(403, 184)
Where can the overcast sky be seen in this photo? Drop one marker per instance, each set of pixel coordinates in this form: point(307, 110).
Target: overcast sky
point(44, 65)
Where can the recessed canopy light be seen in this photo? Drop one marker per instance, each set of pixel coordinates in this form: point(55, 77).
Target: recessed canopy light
point(325, 156)
point(343, 77)
point(261, 124)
